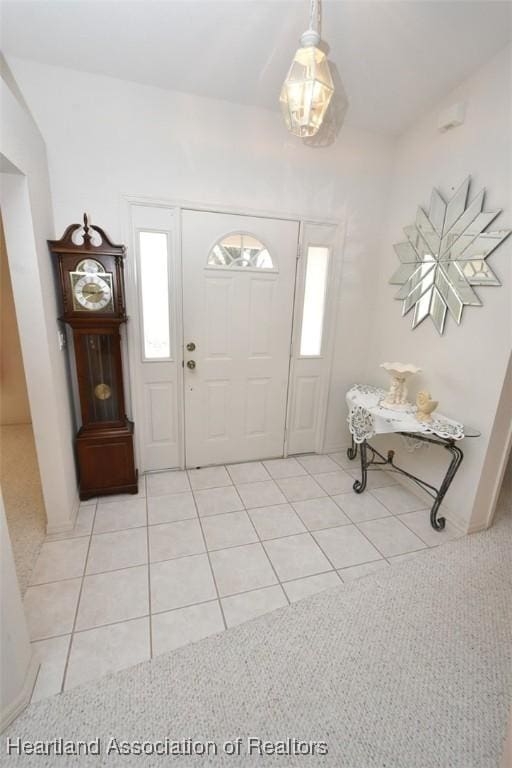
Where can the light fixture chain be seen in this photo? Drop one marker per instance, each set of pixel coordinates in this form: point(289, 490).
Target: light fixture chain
point(314, 15)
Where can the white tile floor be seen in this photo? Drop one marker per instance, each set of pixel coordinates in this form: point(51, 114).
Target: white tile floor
point(207, 549)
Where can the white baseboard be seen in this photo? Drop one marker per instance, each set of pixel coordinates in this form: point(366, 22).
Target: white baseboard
point(336, 448)
point(477, 527)
point(52, 530)
point(16, 707)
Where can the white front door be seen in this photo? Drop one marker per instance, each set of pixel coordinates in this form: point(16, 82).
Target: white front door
point(238, 287)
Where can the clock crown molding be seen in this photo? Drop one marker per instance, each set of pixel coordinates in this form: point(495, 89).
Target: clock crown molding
point(69, 253)
point(106, 247)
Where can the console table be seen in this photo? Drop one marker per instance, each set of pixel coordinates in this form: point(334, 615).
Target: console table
point(368, 417)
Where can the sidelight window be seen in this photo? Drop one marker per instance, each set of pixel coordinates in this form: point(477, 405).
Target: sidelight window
point(154, 282)
point(313, 310)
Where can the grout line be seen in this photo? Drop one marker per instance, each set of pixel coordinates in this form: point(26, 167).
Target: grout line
point(119, 530)
point(171, 493)
point(265, 586)
point(324, 552)
point(213, 487)
point(68, 655)
point(149, 584)
point(303, 578)
point(34, 684)
point(105, 501)
point(267, 556)
point(96, 626)
point(170, 522)
point(376, 547)
point(265, 479)
point(112, 624)
point(211, 566)
point(54, 581)
point(397, 514)
point(56, 537)
point(50, 637)
point(370, 541)
point(366, 562)
point(188, 605)
point(96, 573)
point(430, 546)
point(390, 558)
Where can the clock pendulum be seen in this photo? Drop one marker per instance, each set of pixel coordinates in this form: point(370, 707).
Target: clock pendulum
point(92, 290)
point(102, 391)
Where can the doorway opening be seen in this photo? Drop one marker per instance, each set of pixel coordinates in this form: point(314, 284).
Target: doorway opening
point(496, 471)
point(230, 343)
point(19, 468)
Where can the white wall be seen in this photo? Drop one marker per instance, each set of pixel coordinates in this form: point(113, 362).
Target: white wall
point(28, 222)
point(465, 368)
point(18, 665)
point(107, 138)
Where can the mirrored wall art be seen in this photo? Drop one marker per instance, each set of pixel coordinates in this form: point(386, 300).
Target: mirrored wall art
point(445, 255)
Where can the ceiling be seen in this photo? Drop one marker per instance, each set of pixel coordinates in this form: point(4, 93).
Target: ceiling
point(395, 59)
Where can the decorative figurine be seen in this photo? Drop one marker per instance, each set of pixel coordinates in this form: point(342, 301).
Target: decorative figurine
point(425, 406)
point(396, 398)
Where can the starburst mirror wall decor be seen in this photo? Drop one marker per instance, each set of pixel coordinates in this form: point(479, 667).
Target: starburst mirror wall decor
point(445, 255)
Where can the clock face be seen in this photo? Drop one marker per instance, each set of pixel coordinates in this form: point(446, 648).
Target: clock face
point(92, 290)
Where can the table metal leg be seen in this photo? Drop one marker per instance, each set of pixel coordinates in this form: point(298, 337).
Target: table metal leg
point(352, 451)
point(439, 522)
point(379, 460)
point(360, 485)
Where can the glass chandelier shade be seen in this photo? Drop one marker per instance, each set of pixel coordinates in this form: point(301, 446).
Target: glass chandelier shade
point(308, 88)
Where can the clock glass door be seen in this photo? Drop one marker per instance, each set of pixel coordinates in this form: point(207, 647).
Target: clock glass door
point(100, 379)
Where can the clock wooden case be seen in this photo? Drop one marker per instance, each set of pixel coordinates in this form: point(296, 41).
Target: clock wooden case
point(92, 288)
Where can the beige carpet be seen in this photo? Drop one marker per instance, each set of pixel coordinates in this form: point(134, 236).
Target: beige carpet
point(23, 500)
point(408, 668)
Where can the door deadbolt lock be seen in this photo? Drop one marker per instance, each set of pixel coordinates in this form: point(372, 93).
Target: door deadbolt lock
point(191, 364)
point(191, 346)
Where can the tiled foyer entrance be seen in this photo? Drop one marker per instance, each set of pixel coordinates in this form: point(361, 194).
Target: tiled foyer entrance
point(206, 549)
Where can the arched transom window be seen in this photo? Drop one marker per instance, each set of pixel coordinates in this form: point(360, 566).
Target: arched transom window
point(240, 250)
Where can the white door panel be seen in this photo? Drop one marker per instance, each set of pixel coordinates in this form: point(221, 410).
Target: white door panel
point(156, 360)
point(314, 334)
point(240, 321)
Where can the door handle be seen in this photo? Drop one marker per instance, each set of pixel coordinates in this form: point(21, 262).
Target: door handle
point(191, 364)
point(191, 346)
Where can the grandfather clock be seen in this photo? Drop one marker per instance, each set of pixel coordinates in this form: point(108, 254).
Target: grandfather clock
point(92, 288)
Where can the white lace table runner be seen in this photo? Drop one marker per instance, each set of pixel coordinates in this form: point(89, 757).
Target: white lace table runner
point(367, 417)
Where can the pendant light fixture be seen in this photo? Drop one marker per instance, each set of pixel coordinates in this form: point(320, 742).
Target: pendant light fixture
point(308, 87)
